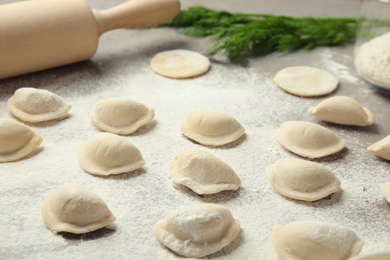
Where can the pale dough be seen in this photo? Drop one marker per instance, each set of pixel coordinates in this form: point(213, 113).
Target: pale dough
point(17, 140)
point(202, 172)
point(197, 230)
point(106, 154)
point(122, 116)
point(180, 64)
point(211, 128)
point(306, 81)
point(302, 180)
point(37, 105)
point(75, 209)
point(308, 139)
point(342, 110)
point(308, 240)
point(381, 148)
point(385, 188)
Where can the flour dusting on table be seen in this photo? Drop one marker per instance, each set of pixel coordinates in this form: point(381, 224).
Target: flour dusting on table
point(141, 198)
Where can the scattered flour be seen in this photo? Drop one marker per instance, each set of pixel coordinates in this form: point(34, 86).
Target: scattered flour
point(341, 71)
point(140, 199)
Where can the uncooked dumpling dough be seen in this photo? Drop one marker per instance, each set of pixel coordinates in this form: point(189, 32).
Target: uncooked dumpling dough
point(180, 64)
point(75, 209)
point(308, 240)
point(308, 139)
point(37, 105)
point(120, 116)
point(306, 81)
point(381, 148)
point(342, 110)
point(197, 230)
point(211, 128)
point(302, 180)
point(16, 140)
point(106, 154)
point(385, 188)
point(202, 172)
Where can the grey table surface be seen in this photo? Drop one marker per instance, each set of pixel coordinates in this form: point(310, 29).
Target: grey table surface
point(120, 67)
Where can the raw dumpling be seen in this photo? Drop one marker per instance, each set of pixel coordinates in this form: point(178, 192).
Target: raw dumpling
point(121, 116)
point(342, 110)
point(75, 209)
point(16, 140)
point(37, 105)
point(106, 154)
point(211, 128)
point(302, 180)
point(381, 148)
point(202, 172)
point(180, 64)
point(308, 240)
point(197, 230)
point(306, 81)
point(308, 139)
point(385, 188)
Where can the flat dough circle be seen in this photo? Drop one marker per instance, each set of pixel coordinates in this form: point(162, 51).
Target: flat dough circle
point(306, 81)
point(180, 64)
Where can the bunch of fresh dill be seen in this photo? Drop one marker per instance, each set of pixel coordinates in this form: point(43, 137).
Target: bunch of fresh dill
point(240, 36)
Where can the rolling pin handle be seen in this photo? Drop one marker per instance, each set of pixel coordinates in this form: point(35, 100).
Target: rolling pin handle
point(136, 14)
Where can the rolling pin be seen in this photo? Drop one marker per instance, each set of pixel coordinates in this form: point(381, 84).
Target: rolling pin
point(41, 34)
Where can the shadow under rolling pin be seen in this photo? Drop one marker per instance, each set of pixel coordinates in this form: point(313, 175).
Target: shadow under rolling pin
point(42, 34)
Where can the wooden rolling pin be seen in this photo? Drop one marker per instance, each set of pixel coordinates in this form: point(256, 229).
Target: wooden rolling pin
point(42, 34)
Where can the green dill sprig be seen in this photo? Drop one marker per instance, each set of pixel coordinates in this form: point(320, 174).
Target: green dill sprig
point(240, 36)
